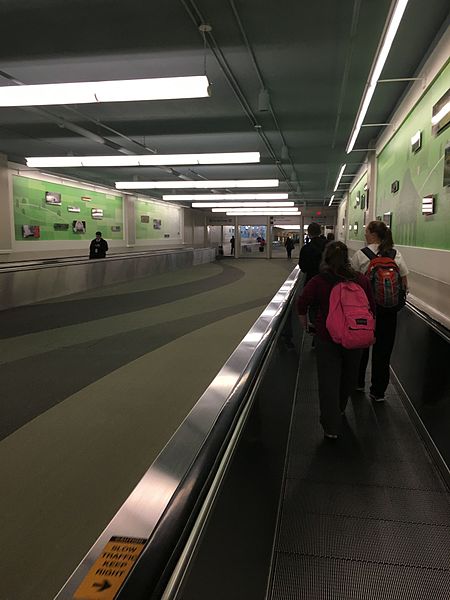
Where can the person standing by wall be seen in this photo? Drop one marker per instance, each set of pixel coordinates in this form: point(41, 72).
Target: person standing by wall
point(337, 367)
point(98, 247)
point(289, 245)
point(381, 245)
point(232, 245)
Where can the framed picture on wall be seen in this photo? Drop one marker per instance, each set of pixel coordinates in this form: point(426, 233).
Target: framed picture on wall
point(53, 198)
point(79, 226)
point(156, 223)
point(145, 219)
point(447, 166)
point(363, 201)
point(31, 231)
point(387, 218)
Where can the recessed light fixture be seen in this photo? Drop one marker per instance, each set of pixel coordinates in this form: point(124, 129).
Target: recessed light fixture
point(390, 32)
point(203, 184)
point(213, 197)
point(226, 205)
point(144, 160)
point(93, 92)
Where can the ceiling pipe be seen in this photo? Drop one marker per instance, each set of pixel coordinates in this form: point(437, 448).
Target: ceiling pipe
point(261, 81)
point(197, 18)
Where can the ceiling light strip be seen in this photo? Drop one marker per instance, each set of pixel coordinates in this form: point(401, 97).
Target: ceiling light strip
point(144, 160)
point(94, 92)
point(203, 184)
point(213, 197)
point(341, 172)
point(259, 211)
point(377, 67)
point(275, 212)
point(226, 205)
point(331, 200)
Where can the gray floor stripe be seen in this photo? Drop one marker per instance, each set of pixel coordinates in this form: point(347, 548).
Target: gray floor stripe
point(41, 317)
point(55, 375)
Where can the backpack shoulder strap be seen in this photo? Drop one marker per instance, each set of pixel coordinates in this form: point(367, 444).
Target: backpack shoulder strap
point(368, 252)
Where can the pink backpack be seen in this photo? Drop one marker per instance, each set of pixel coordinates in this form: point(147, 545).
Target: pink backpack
point(350, 321)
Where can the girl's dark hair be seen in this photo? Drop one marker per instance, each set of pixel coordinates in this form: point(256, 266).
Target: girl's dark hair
point(382, 231)
point(335, 261)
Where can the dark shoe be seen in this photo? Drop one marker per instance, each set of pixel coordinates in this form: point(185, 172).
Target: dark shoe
point(376, 398)
point(330, 436)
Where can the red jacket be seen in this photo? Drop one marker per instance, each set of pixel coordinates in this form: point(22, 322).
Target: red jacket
point(317, 293)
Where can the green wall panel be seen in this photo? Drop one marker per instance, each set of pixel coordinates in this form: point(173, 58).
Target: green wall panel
point(420, 174)
point(30, 208)
point(163, 221)
point(355, 212)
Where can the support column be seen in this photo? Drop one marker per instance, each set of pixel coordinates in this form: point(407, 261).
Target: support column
point(6, 215)
point(129, 205)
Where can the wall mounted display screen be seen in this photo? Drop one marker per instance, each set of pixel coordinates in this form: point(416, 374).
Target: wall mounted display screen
point(79, 226)
point(31, 231)
point(60, 226)
point(156, 223)
point(116, 228)
point(73, 209)
point(53, 198)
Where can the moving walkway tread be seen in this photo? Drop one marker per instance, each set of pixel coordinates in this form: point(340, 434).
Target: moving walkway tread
point(364, 517)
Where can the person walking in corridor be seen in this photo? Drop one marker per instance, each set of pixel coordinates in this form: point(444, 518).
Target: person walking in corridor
point(388, 273)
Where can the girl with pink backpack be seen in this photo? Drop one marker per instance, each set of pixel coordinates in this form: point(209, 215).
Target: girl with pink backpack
point(345, 325)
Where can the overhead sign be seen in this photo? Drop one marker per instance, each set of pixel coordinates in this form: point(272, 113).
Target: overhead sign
point(220, 220)
point(106, 576)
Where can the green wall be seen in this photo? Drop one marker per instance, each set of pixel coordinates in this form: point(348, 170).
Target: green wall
point(169, 216)
point(30, 208)
point(419, 174)
point(355, 211)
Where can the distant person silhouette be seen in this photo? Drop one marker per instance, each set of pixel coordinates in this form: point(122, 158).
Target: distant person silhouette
point(98, 247)
point(232, 244)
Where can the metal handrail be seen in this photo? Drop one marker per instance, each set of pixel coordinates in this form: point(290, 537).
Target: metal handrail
point(45, 263)
point(166, 501)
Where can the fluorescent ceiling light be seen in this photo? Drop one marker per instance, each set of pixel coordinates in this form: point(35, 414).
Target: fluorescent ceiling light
point(260, 211)
point(441, 114)
point(144, 160)
point(257, 206)
point(213, 197)
point(225, 205)
point(208, 184)
point(274, 212)
point(331, 200)
point(288, 227)
point(92, 92)
point(382, 54)
point(339, 177)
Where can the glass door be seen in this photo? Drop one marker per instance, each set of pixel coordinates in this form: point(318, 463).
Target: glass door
point(253, 241)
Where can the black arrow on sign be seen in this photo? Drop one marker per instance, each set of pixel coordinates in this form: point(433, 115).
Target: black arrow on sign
point(102, 586)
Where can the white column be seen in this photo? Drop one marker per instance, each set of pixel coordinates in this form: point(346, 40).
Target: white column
point(129, 219)
point(6, 215)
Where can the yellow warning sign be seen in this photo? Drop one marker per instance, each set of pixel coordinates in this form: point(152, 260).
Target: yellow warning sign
point(109, 571)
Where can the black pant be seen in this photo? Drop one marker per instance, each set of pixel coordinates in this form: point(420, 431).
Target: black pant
point(386, 327)
point(289, 252)
point(337, 370)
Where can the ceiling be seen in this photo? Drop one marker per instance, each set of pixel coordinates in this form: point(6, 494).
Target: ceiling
point(313, 57)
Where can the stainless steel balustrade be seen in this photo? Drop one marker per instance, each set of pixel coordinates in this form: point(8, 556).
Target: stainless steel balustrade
point(170, 493)
point(37, 280)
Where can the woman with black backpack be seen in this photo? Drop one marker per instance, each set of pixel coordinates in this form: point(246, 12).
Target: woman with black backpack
point(387, 272)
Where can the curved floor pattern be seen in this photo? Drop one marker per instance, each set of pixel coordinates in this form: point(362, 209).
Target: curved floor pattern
point(90, 404)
